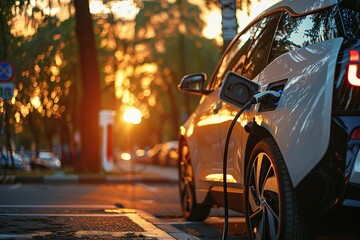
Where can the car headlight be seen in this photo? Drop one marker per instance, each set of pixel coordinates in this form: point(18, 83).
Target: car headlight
point(57, 163)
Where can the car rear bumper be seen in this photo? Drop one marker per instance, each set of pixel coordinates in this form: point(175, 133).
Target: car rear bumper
point(336, 179)
point(351, 165)
point(352, 197)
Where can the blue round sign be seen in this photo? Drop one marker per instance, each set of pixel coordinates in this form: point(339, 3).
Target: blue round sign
point(7, 71)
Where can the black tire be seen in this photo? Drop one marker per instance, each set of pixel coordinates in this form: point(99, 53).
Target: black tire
point(271, 208)
point(192, 211)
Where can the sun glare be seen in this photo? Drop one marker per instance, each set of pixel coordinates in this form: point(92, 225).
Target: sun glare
point(212, 17)
point(96, 7)
point(213, 24)
point(126, 9)
point(132, 115)
point(255, 9)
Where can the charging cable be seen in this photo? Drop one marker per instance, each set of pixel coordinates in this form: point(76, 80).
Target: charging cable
point(257, 98)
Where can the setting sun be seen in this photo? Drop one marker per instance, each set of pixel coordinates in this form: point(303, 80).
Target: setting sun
point(132, 115)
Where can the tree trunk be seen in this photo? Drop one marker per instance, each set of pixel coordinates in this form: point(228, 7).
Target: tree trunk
point(229, 21)
point(90, 106)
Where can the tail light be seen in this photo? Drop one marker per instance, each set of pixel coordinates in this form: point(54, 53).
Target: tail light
point(355, 135)
point(353, 68)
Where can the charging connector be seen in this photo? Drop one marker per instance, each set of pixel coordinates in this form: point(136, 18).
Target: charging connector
point(267, 95)
point(257, 98)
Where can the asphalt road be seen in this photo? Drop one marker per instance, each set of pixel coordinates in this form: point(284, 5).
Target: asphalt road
point(85, 211)
point(44, 208)
point(77, 222)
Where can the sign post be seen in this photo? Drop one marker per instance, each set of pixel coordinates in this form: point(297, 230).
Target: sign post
point(7, 73)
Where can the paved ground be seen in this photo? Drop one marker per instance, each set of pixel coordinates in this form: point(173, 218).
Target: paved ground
point(82, 222)
point(87, 222)
point(116, 222)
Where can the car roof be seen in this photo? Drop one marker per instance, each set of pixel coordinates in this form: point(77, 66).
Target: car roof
point(295, 7)
point(300, 7)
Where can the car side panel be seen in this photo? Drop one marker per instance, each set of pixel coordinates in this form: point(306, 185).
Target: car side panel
point(237, 143)
point(201, 132)
point(301, 122)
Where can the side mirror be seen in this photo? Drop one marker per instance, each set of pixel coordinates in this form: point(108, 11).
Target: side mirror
point(236, 90)
point(193, 83)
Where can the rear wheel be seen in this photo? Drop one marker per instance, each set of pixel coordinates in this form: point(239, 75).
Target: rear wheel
point(272, 210)
point(192, 211)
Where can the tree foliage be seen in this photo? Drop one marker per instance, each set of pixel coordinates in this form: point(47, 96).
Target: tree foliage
point(166, 44)
point(45, 66)
point(141, 62)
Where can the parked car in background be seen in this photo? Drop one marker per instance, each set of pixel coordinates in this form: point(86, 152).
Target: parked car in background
point(140, 155)
point(46, 160)
point(293, 160)
point(21, 163)
point(168, 154)
point(153, 153)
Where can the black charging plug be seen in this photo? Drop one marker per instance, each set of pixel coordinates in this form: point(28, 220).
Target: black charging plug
point(265, 96)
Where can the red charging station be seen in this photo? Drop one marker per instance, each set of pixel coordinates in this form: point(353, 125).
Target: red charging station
point(107, 139)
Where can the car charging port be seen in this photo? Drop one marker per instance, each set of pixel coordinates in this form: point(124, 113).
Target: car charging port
point(272, 103)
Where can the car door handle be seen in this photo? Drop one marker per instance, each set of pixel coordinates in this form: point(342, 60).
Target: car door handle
point(217, 107)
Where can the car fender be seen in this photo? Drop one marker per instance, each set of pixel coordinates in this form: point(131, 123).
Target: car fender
point(301, 122)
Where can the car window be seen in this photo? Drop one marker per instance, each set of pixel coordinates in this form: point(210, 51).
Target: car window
point(235, 57)
point(296, 32)
point(258, 52)
point(46, 155)
point(351, 19)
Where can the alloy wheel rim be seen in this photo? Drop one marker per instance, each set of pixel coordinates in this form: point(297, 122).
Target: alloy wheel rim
point(186, 181)
point(263, 199)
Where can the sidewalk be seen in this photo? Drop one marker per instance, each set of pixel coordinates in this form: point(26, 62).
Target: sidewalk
point(140, 173)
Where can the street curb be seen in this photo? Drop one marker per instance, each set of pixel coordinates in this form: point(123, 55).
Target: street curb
point(169, 229)
point(81, 179)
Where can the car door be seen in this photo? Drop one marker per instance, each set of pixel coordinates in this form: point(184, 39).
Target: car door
point(202, 131)
point(234, 58)
point(252, 60)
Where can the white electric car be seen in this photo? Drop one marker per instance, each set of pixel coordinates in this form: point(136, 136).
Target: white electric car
point(289, 160)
